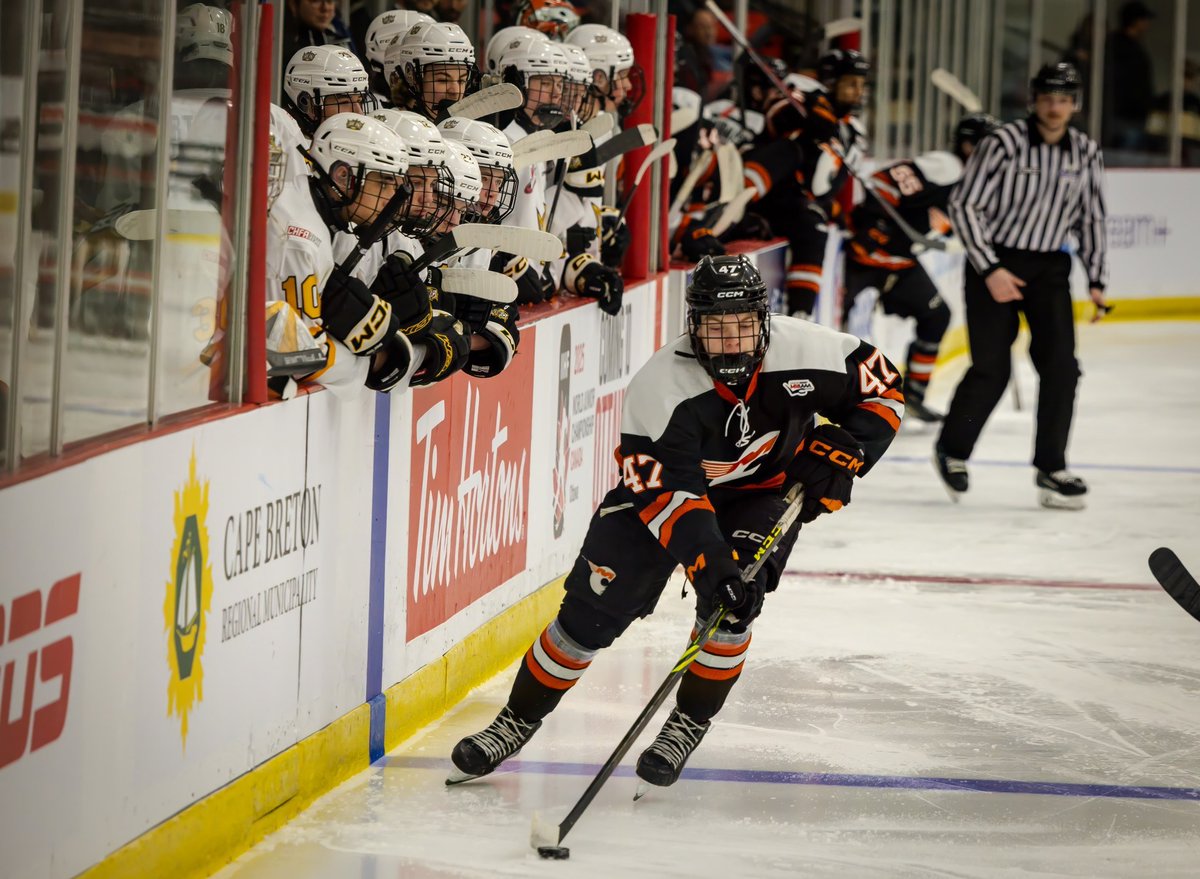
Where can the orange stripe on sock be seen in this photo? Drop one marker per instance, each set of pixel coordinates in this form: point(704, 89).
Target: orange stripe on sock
point(544, 677)
point(727, 649)
point(715, 674)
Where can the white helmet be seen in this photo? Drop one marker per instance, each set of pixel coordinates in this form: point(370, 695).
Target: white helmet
point(432, 46)
point(386, 26)
point(531, 53)
point(317, 72)
point(359, 141)
point(491, 149)
point(610, 52)
point(579, 75)
point(502, 38)
point(468, 179)
point(203, 33)
point(425, 149)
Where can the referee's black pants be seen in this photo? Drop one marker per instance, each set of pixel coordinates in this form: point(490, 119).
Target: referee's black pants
point(991, 330)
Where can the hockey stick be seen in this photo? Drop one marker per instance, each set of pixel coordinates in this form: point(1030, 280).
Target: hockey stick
point(1172, 576)
point(547, 838)
point(551, 148)
point(839, 27)
point(532, 244)
point(599, 125)
point(699, 166)
point(684, 117)
point(920, 242)
point(140, 225)
point(733, 212)
point(374, 231)
point(731, 171)
point(487, 102)
point(480, 283)
point(947, 83)
point(663, 149)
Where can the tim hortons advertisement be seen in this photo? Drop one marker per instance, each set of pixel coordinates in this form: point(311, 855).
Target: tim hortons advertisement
point(469, 489)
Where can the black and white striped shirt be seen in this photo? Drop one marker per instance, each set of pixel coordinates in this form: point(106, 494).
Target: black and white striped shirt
point(1021, 193)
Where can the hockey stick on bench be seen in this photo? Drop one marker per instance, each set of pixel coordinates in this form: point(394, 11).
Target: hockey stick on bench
point(1172, 576)
point(532, 244)
point(653, 156)
point(487, 102)
point(920, 242)
point(547, 838)
point(480, 283)
point(546, 146)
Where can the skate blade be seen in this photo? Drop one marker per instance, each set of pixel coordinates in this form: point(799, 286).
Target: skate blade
point(1052, 500)
point(643, 788)
point(457, 776)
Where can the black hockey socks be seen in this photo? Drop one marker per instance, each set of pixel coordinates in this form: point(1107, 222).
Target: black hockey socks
point(710, 678)
point(552, 665)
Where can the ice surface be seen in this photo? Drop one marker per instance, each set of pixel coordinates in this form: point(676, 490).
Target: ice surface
point(987, 689)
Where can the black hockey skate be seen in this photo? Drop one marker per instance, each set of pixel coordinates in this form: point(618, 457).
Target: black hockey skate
point(661, 763)
point(480, 753)
point(914, 404)
point(1060, 490)
point(953, 473)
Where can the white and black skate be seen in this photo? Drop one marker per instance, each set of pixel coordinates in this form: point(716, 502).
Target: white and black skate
point(479, 754)
point(953, 473)
point(661, 763)
point(1060, 490)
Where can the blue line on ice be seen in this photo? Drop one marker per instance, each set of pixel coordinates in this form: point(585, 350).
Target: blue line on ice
point(1116, 468)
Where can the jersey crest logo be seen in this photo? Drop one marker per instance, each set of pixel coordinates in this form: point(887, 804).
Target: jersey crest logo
point(718, 472)
point(798, 387)
point(601, 577)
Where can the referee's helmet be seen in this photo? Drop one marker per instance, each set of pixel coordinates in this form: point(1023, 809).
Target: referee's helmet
point(1056, 79)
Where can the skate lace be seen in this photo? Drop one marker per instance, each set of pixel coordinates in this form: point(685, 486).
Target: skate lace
point(680, 734)
point(505, 735)
point(956, 465)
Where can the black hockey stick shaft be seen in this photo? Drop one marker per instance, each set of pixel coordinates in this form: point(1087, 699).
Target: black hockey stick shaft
point(740, 38)
point(1171, 574)
point(794, 498)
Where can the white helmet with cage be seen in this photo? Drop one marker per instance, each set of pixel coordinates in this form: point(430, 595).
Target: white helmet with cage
point(385, 27)
point(423, 143)
point(429, 171)
point(532, 54)
point(579, 75)
point(430, 48)
point(501, 38)
point(315, 73)
point(607, 50)
point(361, 142)
point(203, 33)
point(522, 60)
point(468, 179)
point(494, 155)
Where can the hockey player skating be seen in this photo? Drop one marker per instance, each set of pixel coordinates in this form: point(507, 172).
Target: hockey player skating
point(714, 428)
point(880, 255)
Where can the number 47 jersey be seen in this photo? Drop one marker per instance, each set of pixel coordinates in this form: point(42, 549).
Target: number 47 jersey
point(687, 442)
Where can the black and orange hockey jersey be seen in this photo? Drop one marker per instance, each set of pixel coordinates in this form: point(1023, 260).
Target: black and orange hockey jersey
point(686, 440)
point(915, 188)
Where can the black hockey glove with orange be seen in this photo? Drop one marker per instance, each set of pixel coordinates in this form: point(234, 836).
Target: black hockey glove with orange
point(828, 461)
point(720, 582)
point(698, 243)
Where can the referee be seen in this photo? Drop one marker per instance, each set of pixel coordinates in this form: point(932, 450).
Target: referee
point(1027, 186)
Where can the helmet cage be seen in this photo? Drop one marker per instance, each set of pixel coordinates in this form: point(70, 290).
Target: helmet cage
point(506, 197)
point(439, 182)
point(725, 286)
point(417, 75)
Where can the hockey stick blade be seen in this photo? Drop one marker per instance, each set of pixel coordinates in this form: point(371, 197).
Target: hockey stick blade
point(663, 149)
point(619, 144)
point(684, 117)
point(530, 243)
point(599, 125)
point(772, 77)
point(486, 102)
point(699, 166)
point(731, 172)
point(140, 225)
point(480, 283)
point(566, 145)
point(542, 830)
point(1173, 577)
point(733, 212)
point(947, 83)
point(839, 27)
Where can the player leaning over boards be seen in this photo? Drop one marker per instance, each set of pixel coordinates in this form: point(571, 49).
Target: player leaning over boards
point(1030, 184)
point(714, 429)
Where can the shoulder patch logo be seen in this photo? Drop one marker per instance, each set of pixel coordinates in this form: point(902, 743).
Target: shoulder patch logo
point(798, 387)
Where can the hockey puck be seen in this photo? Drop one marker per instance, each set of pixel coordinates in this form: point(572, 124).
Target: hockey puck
point(554, 852)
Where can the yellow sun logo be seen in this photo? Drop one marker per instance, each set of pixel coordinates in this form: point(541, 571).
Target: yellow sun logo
point(188, 599)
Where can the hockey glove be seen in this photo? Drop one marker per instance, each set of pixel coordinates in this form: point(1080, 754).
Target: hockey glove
point(697, 243)
point(406, 291)
point(447, 344)
point(391, 364)
point(828, 461)
point(614, 238)
point(579, 239)
point(720, 582)
point(497, 326)
point(526, 274)
point(751, 225)
point(354, 315)
point(587, 277)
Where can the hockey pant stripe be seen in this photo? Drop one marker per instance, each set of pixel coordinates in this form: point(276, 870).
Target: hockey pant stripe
point(555, 660)
point(660, 517)
point(757, 178)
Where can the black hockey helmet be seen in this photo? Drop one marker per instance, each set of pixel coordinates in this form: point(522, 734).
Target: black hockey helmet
point(972, 129)
point(841, 62)
point(751, 76)
point(728, 285)
point(1056, 79)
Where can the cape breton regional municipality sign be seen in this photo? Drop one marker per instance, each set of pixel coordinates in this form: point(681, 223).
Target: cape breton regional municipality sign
point(469, 496)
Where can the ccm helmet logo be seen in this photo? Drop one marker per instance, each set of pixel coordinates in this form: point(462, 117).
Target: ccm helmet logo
point(730, 294)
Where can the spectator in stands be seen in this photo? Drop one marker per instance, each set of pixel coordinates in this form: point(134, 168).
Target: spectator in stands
point(1128, 79)
point(314, 23)
point(1158, 125)
point(449, 10)
point(694, 64)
